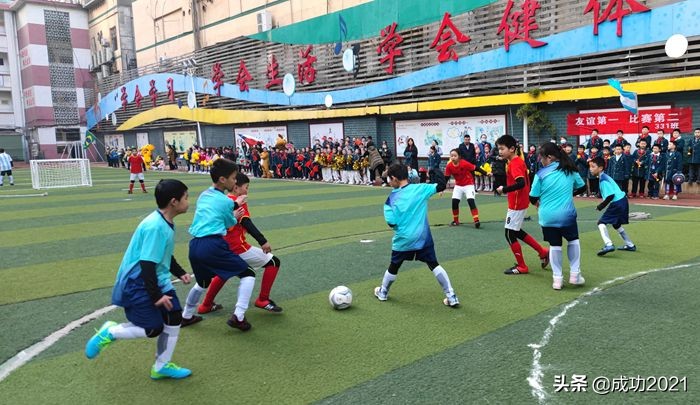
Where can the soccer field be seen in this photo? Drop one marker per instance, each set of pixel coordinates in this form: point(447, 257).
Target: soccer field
point(512, 338)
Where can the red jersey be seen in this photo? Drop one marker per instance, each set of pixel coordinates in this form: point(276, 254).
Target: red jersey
point(235, 235)
point(136, 164)
point(518, 199)
point(462, 172)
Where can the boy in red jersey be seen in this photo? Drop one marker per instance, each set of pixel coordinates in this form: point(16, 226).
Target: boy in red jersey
point(136, 168)
point(518, 191)
point(256, 257)
point(464, 185)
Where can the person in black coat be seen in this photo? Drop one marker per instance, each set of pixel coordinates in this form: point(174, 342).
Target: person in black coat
point(411, 154)
point(467, 151)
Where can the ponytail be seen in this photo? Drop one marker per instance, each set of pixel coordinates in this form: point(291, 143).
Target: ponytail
point(565, 163)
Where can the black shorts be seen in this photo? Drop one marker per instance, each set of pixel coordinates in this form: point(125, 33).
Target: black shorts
point(553, 235)
point(6, 173)
point(617, 213)
point(425, 255)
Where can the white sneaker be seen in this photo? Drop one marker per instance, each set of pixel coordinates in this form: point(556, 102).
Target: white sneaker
point(666, 197)
point(451, 301)
point(675, 197)
point(557, 282)
point(576, 279)
point(381, 295)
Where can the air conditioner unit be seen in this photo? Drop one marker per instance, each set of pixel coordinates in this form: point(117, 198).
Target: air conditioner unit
point(93, 55)
point(264, 21)
point(108, 55)
point(100, 58)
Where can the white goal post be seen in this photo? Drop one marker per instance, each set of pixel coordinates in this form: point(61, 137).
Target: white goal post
point(57, 173)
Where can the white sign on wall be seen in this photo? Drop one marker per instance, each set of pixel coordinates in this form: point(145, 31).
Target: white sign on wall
point(114, 141)
point(141, 139)
point(448, 132)
point(329, 130)
point(268, 135)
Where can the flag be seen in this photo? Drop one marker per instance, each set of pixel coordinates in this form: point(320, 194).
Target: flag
point(627, 98)
point(249, 140)
point(89, 139)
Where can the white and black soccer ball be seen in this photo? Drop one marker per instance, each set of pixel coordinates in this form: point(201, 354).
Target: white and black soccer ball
point(340, 297)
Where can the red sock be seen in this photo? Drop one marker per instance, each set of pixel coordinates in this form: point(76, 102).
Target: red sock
point(542, 252)
point(455, 215)
point(267, 280)
point(475, 214)
point(518, 252)
point(143, 186)
point(216, 284)
point(131, 186)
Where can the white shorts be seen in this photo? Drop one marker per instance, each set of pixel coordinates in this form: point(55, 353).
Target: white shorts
point(255, 257)
point(133, 176)
point(515, 218)
point(460, 191)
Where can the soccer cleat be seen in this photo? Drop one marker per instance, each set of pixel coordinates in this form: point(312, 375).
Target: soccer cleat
point(101, 339)
point(454, 223)
point(145, 192)
point(190, 321)
point(557, 283)
point(544, 261)
point(477, 224)
point(12, 184)
point(605, 250)
point(381, 295)
point(170, 370)
point(452, 301)
point(632, 248)
point(516, 270)
point(203, 309)
point(130, 192)
point(576, 279)
point(236, 324)
point(268, 305)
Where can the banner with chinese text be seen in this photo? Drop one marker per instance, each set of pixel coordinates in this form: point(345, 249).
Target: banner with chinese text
point(609, 121)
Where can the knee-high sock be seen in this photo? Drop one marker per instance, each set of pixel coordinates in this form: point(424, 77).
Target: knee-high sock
point(166, 345)
point(624, 236)
point(475, 211)
point(542, 252)
point(127, 331)
point(455, 210)
point(573, 251)
point(217, 283)
point(518, 253)
point(192, 300)
point(604, 234)
point(12, 180)
point(444, 280)
point(143, 185)
point(556, 258)
point(268, 279)
point(388, 280)
point(245, 290)
point(131, 186)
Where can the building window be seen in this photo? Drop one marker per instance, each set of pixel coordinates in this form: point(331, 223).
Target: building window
point(2, 61)
point(113, 36)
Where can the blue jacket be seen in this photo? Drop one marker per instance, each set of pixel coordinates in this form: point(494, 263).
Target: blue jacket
point(434, 161)
point(656, 167)
point(640, 164)
point(663, 144)
point(674, 164)
point(616, 168)
point(694, 150)
point(582, 165)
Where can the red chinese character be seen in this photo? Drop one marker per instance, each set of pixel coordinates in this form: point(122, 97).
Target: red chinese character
point(445, 38)
point(388, 45)
point(619, 14)
point(306, 70)
point(519, 24)
point(243, 77)
point(217, 78)
point(171, 92)
point(138, 97)
point(153, 93)
point(124, 97)
point(272, 72)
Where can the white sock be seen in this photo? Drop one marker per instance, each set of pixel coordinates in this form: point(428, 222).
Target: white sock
point(388, 280)
point(573, 251)
point(192, 300)
point(127, 331)
point(604, 234)
point(12, 179)
point(556, 257)
point(245, 290)
point(166, 345)
point(444, 280)
point(624, 236)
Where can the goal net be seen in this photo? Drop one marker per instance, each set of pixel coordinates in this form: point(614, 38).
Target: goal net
point(57, 173)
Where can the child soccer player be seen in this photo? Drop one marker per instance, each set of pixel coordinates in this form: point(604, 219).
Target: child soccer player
point(617, 213)
point(209, 253)
point(518, 189)
point(6, 165)
point(406, 211)
point(464, 186)
point(136, 168)
point(554, 187)
point(256, 257)
point(143, 286)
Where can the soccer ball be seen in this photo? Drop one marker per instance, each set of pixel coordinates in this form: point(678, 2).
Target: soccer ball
point(340, 297)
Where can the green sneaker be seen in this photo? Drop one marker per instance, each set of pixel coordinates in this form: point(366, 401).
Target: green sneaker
point(99, 340)
point(170, 370)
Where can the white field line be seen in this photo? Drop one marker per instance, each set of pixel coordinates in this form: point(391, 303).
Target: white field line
point(44, 194)
point(537, 372)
